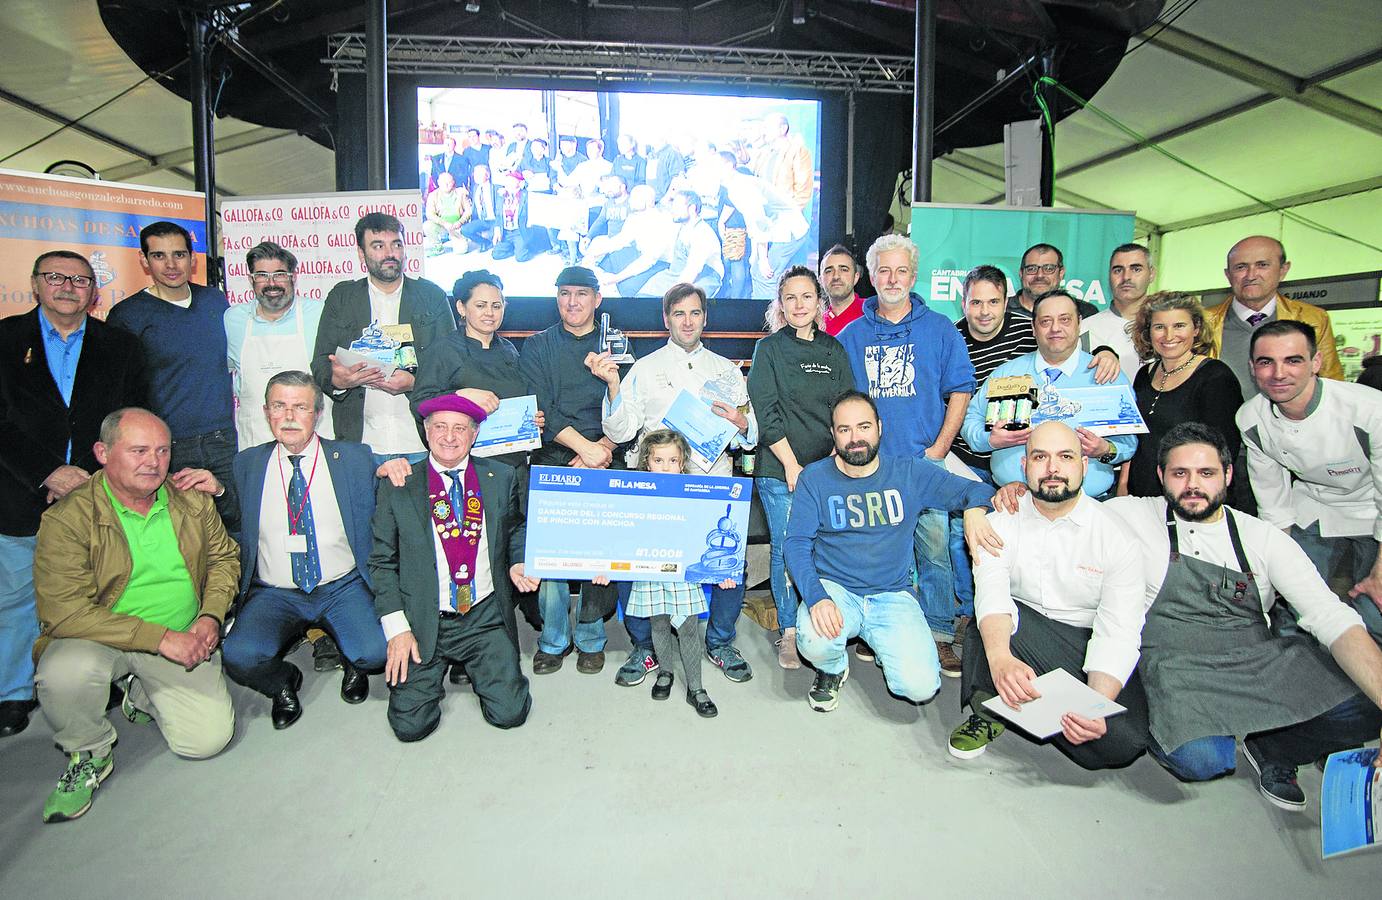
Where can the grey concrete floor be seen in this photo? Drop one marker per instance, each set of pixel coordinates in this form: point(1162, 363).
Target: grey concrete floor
point(604, 793)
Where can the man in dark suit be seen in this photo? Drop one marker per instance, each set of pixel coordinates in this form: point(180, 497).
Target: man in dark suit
point(453, 161)
point(61, 373)
point(446, 545)
point(305, 510)
point(387, 307)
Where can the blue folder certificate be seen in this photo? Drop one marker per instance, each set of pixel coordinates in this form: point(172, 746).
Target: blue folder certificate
point(707, 434)
point(509, 429)
point(636, 526)
point(1106, 410)
point(1350, 802)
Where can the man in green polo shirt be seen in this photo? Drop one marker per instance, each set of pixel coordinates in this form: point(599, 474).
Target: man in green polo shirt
point(133, 573)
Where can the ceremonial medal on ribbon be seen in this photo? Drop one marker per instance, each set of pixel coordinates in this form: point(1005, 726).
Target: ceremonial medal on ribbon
point(460, 540)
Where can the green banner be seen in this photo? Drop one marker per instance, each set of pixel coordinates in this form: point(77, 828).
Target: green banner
point(955, 238)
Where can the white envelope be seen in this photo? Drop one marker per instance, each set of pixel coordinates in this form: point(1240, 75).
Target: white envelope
point(1061, 693)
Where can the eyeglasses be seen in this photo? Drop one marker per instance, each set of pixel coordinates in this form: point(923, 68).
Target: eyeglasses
point(275, 277)
point(1044, 268)
point(80, 282)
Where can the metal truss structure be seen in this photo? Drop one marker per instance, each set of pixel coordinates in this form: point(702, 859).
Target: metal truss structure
point(608, 62)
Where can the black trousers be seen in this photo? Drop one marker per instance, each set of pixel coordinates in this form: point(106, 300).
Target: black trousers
point(214, 450)
point(480, 643)
point(1045, 645)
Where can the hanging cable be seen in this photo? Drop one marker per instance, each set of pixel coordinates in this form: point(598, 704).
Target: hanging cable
point(1143, 140)
point(91, 112)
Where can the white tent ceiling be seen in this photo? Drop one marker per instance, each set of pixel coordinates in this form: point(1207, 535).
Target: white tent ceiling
point(1308, 75)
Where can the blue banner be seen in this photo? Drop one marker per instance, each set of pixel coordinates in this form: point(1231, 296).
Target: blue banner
point(75, 225)
point(636, 526)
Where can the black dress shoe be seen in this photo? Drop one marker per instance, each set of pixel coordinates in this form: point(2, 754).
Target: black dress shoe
point(14, 715)
point(287, 709)
point(457, 675)
point(662, 688)
point(326, 655)
point(704, 706)
point(354, 685)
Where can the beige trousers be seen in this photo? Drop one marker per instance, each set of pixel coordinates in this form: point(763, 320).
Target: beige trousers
point(192, 709)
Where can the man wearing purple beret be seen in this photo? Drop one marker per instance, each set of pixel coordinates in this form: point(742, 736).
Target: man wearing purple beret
point(447, 545)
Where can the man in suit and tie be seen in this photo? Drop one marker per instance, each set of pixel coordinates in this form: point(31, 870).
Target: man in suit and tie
point(370, 403)
point(453, 161)
point(446, 545)
point(61, 373)
point(305, 510)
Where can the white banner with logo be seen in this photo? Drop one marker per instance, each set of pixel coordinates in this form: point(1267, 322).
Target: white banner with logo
point(319, 229)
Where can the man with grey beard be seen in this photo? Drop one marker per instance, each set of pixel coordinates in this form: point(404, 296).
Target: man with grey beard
point(274, 334)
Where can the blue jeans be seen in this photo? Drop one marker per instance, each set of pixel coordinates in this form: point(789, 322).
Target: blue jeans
point(935, 573)
point(780, 256)
point(1348, 725)
point(777, 504)
point(891, 623)
point(214, 450)
point(1326, 553)
point(412, 458)
point(725, 606)
point(554, 598)
point(271, 619)
point(18, 617)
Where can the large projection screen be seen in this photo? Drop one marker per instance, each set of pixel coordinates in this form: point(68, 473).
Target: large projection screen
point(646, 189)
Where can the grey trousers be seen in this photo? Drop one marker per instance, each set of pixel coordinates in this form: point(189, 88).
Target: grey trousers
point(192, 709)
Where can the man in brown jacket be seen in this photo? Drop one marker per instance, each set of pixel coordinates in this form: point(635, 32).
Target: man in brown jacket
point(1255, 269)
point(134, 573)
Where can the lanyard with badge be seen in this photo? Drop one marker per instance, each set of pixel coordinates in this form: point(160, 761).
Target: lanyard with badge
point(297, 543)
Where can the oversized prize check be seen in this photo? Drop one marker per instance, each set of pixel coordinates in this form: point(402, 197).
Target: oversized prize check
point(1106, 410)
point(636, 526)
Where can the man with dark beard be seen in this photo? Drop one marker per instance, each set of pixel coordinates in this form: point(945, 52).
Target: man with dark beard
point(1065, 559)
point(848, 550)
point(387, 309)
point(1211, 667)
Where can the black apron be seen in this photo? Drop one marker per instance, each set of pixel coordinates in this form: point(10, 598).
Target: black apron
point(1210, 664)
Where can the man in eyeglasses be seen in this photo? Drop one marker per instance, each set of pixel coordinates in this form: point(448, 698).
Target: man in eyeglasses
point(1042, 271)
point(50, 419)
point(276, 333)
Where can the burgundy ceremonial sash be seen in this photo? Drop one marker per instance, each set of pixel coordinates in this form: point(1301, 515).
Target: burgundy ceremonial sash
point(460, 540)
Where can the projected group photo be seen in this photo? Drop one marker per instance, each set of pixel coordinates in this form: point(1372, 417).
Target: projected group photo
point(646, 189)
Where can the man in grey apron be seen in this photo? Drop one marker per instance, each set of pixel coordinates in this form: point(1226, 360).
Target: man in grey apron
point(1210, 665)
point(1063, 593)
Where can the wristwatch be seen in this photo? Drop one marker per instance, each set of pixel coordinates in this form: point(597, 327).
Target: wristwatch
point(1112, 454)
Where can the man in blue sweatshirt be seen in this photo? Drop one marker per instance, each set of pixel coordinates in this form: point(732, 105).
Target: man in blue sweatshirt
point(848, 536)
point(914, 364)
point(1057, 363)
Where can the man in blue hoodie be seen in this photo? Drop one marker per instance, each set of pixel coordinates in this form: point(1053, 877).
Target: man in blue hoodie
point(914, 365)
point(852, 520)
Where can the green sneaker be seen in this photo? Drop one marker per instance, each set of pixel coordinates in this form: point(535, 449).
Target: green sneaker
point(72, 797)
point(136, 715)
point(973, 737)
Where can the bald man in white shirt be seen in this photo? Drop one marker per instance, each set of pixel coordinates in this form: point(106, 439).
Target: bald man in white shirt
point(1063, 593)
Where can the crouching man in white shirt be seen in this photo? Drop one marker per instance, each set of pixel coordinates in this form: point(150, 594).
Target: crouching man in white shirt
point(1063, 593)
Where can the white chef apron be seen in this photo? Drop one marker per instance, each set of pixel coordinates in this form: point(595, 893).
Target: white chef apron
point(261, 358)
